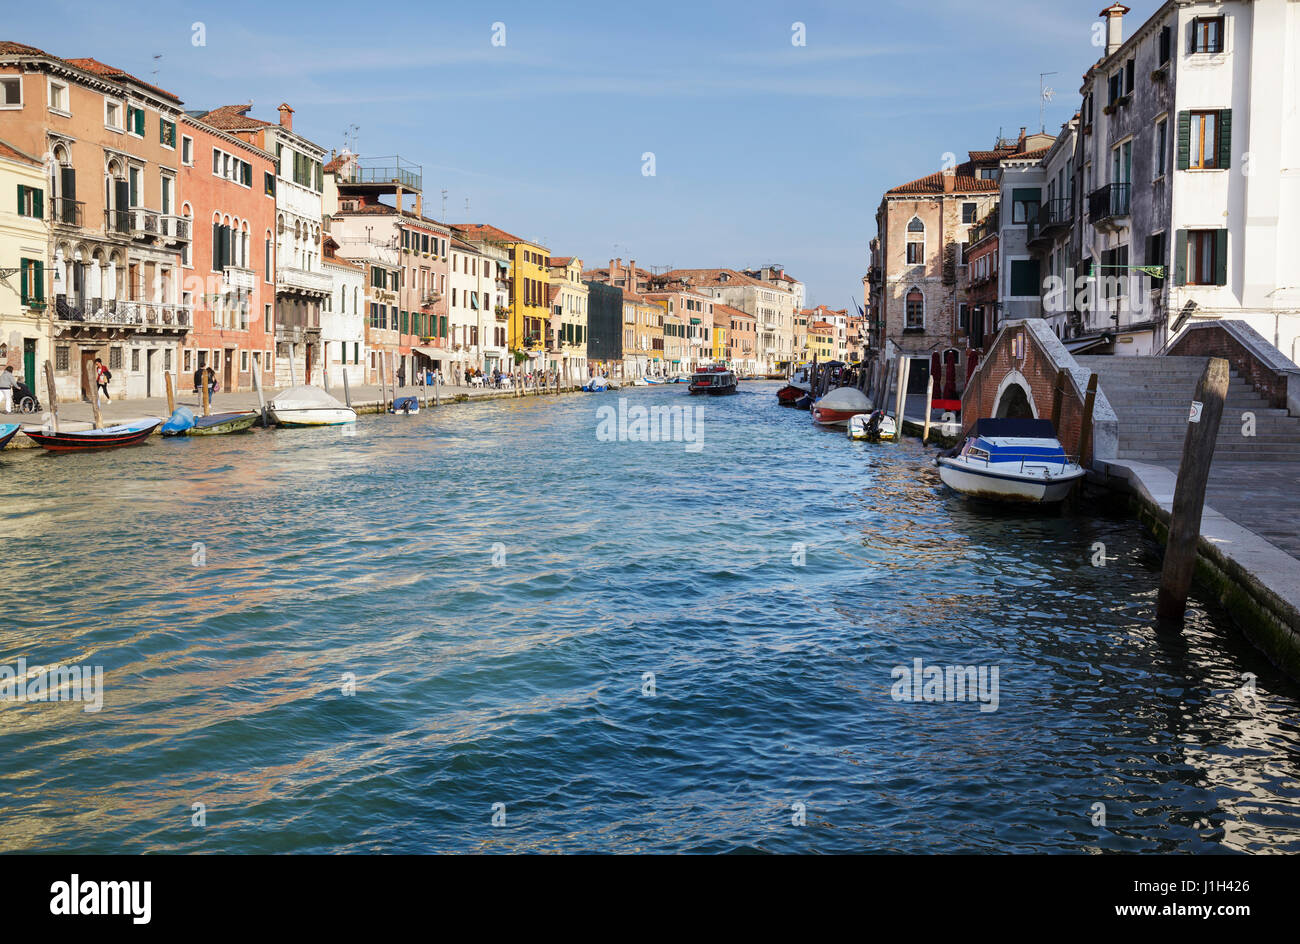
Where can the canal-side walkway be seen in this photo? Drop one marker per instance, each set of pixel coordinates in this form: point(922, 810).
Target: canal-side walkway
point(366, 398)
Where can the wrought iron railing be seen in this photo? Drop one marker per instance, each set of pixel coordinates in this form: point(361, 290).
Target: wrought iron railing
point(1108, 202)
point(66, 211)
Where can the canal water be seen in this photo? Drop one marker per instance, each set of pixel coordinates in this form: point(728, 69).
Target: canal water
point(486, 628)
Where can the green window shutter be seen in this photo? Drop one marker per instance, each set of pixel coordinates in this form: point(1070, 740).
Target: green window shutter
point(38, 204)
point(1184, 139)
point(1221, 257)
point(22, 191)
point(38, 272)
point(1225, 138)
point(1180, 257)
point(22, 267)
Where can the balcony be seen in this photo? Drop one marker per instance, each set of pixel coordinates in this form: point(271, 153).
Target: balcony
point(1054, 217)
point(983, 229)
point(117, 221)
point(384, 171)
point(502, 313)
point(237, 279)
point(65, 212)
point(144, 223)
point(1108, 204)
point(300, 280)
point(174, 229)
point(114, 312)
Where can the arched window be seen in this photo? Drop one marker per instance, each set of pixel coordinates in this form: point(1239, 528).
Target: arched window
point(914, 310)
point(916, 242)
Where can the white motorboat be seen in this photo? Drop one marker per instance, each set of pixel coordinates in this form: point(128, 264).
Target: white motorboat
point(1012, 460)
point(309, 406)
point(640, 382)
point(838, 406)
point(873, 427)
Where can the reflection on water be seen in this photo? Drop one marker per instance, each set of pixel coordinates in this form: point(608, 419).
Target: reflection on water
point(370, 558)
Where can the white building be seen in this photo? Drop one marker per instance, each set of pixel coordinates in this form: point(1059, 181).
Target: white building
point(343, 321)
point(478, 281)
point(1189, 158)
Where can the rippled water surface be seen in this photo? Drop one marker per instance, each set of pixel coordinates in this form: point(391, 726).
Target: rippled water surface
point(524, 684)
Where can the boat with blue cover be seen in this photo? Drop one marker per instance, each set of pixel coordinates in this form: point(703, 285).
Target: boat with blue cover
point(1011, 460)
point(7, 432)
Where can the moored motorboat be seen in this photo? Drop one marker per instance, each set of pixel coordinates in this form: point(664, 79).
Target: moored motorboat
point(655, 380)
point(716, 381)
point(407, 406)
point(597, 384)
point(838, 406)
point(219, 424)
point(1011, 460)
point(7, 432)
point(82, 440)
point(640, 382)
point(309, 406)
point(872, 427)
point(795, 388)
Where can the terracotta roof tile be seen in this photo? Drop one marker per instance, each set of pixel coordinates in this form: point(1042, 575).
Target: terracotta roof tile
point(112, 72)
point(233, 118)
point(488, 233)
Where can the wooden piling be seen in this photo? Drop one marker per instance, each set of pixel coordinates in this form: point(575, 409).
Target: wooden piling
point(52, 404)
point(261, 397)
point(929, 398)
point(171, 394)
point(437, 389)
point(94, 394)
point(204, 397)
point(1085, 423)
point(900, 397)
point(383, 381)
point(1189, 495)
point(1058, 394)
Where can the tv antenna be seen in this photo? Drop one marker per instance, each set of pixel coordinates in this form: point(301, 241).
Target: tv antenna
point(444, 204)
point(350, 138)
point(157, 64)
point(1045, 95)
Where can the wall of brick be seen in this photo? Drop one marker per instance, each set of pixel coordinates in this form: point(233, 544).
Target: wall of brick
point(1214, 341)
point(1039, 372)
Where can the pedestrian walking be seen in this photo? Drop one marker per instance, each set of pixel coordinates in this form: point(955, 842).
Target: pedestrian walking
point(102, 377)
point(7, 388)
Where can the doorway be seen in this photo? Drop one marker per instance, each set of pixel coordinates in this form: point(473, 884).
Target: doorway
point(228, 370)
point(29, 363)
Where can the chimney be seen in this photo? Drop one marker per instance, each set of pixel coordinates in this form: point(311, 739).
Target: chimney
point(949, 179)
point(286, 116)
point(631, 274)
point(1114, 15)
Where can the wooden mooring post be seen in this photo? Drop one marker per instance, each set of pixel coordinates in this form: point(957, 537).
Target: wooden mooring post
point(204, 398)
point(347, 389)
point(1085, 422)
point(929, 398)
point(1189, 495)
point(261, 397)
point(52, 405)
point(900, 397)
point(1058, 395)
point(171, 394)
point(94, 394)
point(383, 381)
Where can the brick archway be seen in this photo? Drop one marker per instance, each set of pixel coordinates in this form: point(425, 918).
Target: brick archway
point(1015, 398)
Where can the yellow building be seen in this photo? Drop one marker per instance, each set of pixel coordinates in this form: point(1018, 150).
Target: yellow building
point(821, 340)
point(24, 245)
point(530, 308)
point(721, 333)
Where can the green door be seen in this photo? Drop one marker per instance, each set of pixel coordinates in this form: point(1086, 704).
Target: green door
point(29, 363)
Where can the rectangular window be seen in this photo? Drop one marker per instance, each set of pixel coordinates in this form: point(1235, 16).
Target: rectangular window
point(1166, 42)
point(1202, 257)
point(1024, 278)
point(61, 359)
point(135, 120)
point(11, 92)
point(1207, 34)
point(187, 150)
point(113, 114)
point(1205, 140)
point(31, 202)
point(968, 213)
point(58, 97)
point(1162, 147)
point(1155, 253)
point(915, 253)
point(915, 313)
point(1025, 203)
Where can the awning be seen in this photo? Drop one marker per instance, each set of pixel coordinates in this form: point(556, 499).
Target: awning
point(1086, 344)
point(430, 352)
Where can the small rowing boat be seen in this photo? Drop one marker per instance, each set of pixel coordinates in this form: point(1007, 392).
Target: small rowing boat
point(124, 434)
point(7, 432)
point(219, 424)
point(872, 427)
point(407, 406)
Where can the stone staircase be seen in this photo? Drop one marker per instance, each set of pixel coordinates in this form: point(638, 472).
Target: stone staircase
point(1151, 397)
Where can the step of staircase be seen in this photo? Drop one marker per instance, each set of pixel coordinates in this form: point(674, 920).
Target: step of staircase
point(1151, 397)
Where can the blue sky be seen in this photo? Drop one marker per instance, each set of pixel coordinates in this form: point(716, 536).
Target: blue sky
point(764, 151)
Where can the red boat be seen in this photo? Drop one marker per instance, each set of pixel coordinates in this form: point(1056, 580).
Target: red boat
point(840, 405)
point(795, 389)
point(126, 434)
